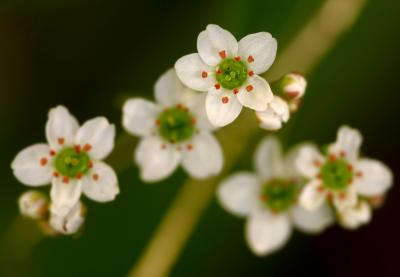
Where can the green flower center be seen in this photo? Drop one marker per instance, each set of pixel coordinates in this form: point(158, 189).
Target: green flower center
point(280, 195)
point(336, 174)
point(231, 73)
point(176, 124)
point(72, 163)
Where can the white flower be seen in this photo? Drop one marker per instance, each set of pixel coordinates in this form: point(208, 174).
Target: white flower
point(342, 176)
point(268, 200)
point(33, 204)
point(71, 222)
point(275, 115)
point(354, 217)
point(228, 70)
point(174, 131)
point(71, 161)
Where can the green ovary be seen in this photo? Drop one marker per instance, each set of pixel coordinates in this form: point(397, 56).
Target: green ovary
point(336, 175)
point(176, 124)
point(72, 163)
point(231, 74)
point(280, 195)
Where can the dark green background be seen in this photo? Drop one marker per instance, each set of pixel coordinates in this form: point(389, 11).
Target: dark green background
point(88, 54)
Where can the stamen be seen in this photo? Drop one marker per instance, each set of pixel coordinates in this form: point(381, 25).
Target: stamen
point(157, 122)
point(236, 91)
point(65, 180)
point(78, 176)
point(77, 148)
point(321, 188)
point(189, 147)
point(55, 174)
point(179, 106)
point(43, 161)
point(61, 141)
point(317, 163)
point(251, 73)
point(222, 54)
point(332, 158)
point(249, 88)
point(350, 167)
point(342, 195)
point(250, 59)
point(342, 154)
point(237, 59)
point(163, 146)
point(225, 99)
point(359, 174)
point(194, 121)
point(52, 153)
point(87, 147)
point(219, 71)
point(95, 177)
point(204, 74)
point(90, 164)
point(217, 86)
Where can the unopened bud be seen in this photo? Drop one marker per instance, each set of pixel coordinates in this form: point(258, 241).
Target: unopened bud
point(33, 204)
point(71, 222)
point(275, 115)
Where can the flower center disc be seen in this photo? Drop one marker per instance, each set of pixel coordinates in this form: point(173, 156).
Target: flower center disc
point(176, 124)
point(71, 163)
point(280, 195)
point(336, 175)
point(231, 73)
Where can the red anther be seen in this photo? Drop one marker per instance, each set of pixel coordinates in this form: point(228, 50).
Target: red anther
point(87, 147)
point(219, 71)
point(217, 86)
point(329, 195)
point(179, 106)
point(194, 121)
point(237, 58)
point(43, 161)
point(349, 167)
point(204, 74)
point(317, 163)
point(359, 174)
point(222, 54)
point(342, 154)
point(342, 195)
point(60, 141)
point(52, 153)
point(225, 99)
point(163, 146)
point(78, 176)
point(55, 174)
point(77, 148)
point(263, 198)
point(350, 181)
point(157, 122)
point(236, 91)
point(292, 94)
point(251, 73)
point(90, 164)
point(65, 179)
point(250, 59)
point(95, 177)
point(321, 188)
point(332, 158)
point(189, 147)
point(319, 175)
point(249, 88)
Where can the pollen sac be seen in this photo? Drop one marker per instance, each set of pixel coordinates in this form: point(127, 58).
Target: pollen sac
point(176, 124)
point(231, 73)
point(336, 174)
point(72, 163)
point(280, 195)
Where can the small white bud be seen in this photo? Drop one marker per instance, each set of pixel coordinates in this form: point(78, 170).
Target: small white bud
point(33, 204)
point(275, 115)
point(294, 86)
point(70, 223)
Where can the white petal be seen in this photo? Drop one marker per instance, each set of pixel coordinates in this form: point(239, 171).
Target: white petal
point(33, 204)
point(275, 115)
point(197, 106)
point(102, 184)
point(262, 47)
point(70, 223)
point(239, 194)
point(205, 158)
point(268, 159)
point(355, 216)
point(139, 116)
point(311, 198)
point(194, 73)
point(348, 142)
point(156, 159)
point(256, 95)
point(222, 108)
point(64, 195)
point(168, 88)
point(375, 177)
point(214, 40)
point(312, 221)
point(266, 232)
point(29, 165)
point(309, 160)
point(61, 127)
point(99, 134)
point(346, 199)
point(290, 161)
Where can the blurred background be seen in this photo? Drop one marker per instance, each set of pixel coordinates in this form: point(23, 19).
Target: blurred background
point(90, 55)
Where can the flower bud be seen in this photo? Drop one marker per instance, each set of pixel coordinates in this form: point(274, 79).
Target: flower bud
point(293, 85)
point(33, 204)
point(275, 115)
point(354, 217)
point(71, 222)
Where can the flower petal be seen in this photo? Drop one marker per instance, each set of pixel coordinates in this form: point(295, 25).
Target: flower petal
point(31, 166)
point(312, 221)
point(156, 159)
point(64, 196)
point(102, 184)
point(266, 232)
point(375, 178)
point(261, 47)
point(139, 116)
point(205, 158)
point(168, 88)
point(197, 106)
point(311, 198)
point(290, 161)
point(309, 160)
point(239, 194)
point(212, 41)
point(268, 159)
point(194, 73)
point(61, 127)
point(355, 216)
point(276, 113)
point(346, 199)
point(348, 142)
point(70, 223)
point(222, 108)
point(256, 95)
point(99, 134)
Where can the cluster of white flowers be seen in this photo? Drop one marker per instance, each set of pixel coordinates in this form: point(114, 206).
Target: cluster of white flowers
point(304, 188)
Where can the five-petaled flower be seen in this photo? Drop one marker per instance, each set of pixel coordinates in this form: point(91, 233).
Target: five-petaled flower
point(269, 200)
point(343, 177)
point(71, 161)
point(228, 70)
point(174, 131)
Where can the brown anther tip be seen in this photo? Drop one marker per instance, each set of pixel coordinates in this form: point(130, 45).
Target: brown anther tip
point(250, 59)
point(237, 58)
point(77, 148)
point(204, 74)
point(87, 147)
point(249, 88)
point(95, 177)
point(222, 54)
point(236, 91)
point(43, 161)
point(61, 141)
point(217, 86)
point(225, 99)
